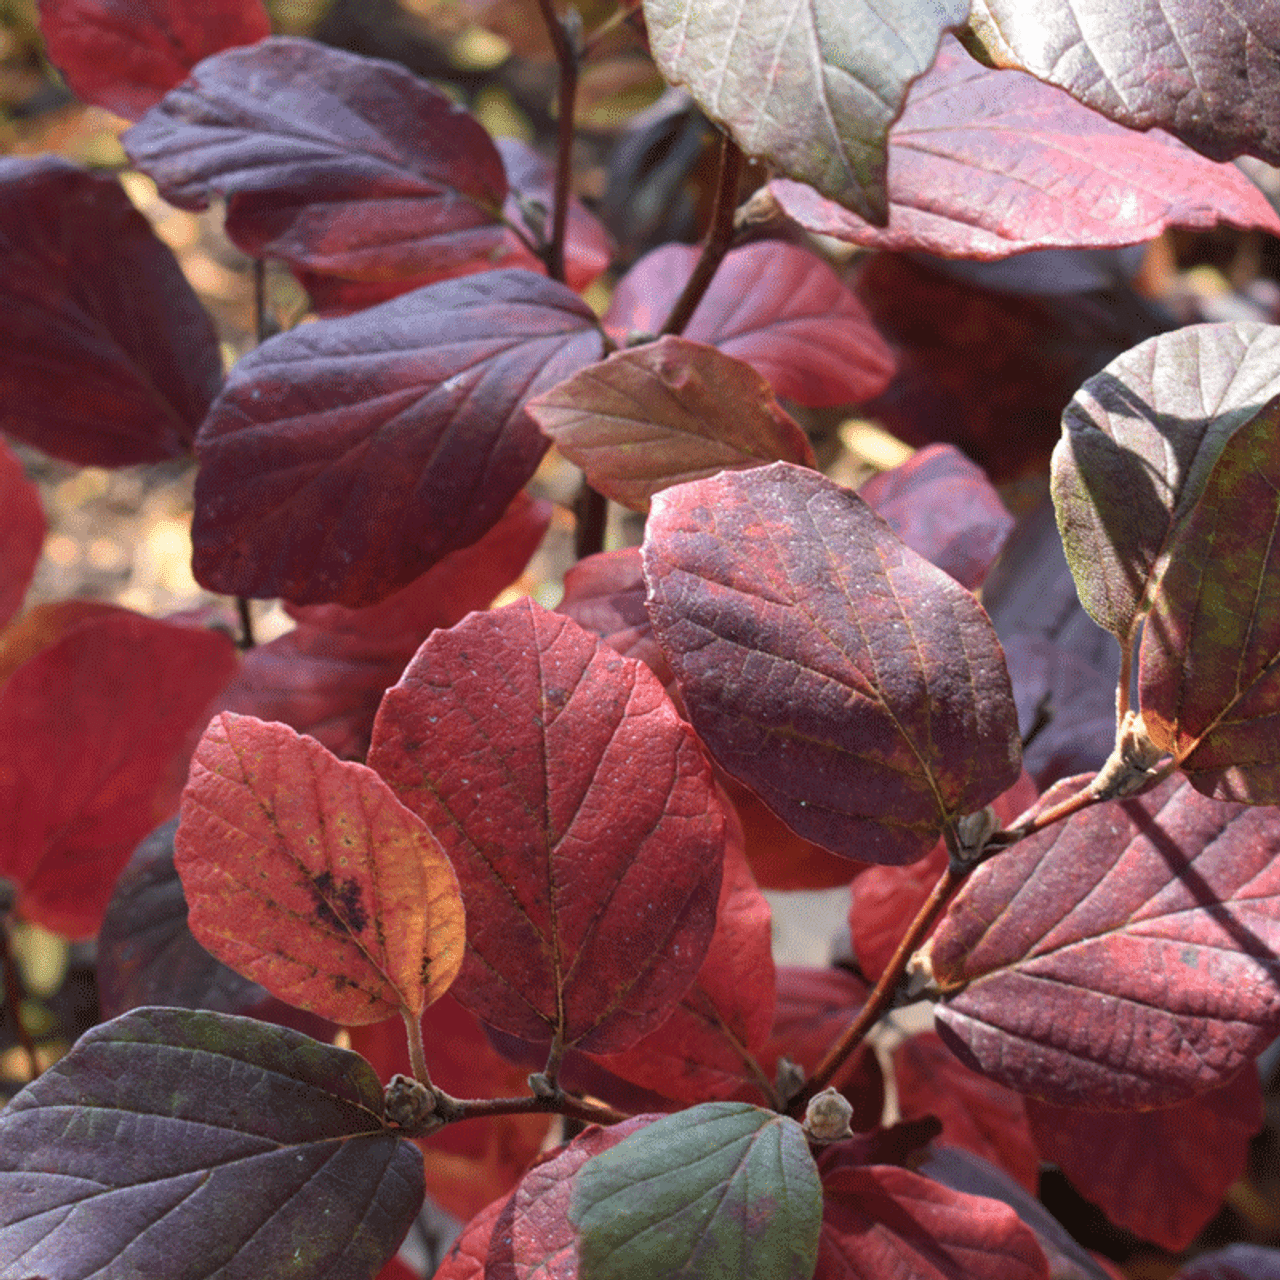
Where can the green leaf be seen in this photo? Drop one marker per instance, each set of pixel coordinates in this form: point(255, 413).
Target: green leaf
point(722, 1190)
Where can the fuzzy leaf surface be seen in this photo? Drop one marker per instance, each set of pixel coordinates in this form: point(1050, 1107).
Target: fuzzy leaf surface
point(132, 693)
point(110, 358)
point(987, 163)
point(580, 816)
point(1209, 662)
point(1139, 441)
point(306, 874)
point(722, 1188)
point(660, 414)
point(399, 430)
point(776, 306)
point(337, 163)
point(1207, 73)
point(812, 89)
point(856, 688)
point(22, 530)
point(1163, 1173)
point(1123, 959)
point(125, 55)
point(191, 1145)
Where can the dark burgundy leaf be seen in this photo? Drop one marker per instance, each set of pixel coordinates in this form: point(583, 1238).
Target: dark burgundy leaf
point(22, 529)
point(857, 689)
point(469, 1164)
point(943, 507)
point(1139, 440)
point(170, 1142)
point(131, 694)
point(1210, 75)
point(775, 306)
point(580, 815)
point(1123, 959)
point(1162, 1173)
point(976, 1113)
point(987, 163)
point(605, 594)
point(1208, 682)
point(125, 55)
point(340, 164)
point(399, 431)
point(663, 413)
point(722, 1188)
point(706, 1049)
point(880, 1220)
point(811, 91)
point(1235, 1262)
point(110, 358)
point(327, 676)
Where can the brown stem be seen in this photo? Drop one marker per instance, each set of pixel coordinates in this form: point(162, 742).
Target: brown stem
point(882, 994)
point(246, 641)
point(417, 1055)
point(592, 509)
point(588, 1110)
point(13, 1001)
point(566, 39)
point(718, 238)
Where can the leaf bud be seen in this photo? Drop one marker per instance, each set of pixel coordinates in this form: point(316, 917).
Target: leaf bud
point(826, 1118)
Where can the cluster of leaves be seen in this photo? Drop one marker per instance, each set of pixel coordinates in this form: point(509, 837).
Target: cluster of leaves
point(490, 840)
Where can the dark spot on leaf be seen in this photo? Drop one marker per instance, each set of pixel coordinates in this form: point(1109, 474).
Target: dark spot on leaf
point(334, 897)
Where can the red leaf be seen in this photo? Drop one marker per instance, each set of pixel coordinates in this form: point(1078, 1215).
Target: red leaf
point(880, 1220)
point(580, 816)
point(305, 873)
point(1162, 1173)
point(467, 1165)
point(1066, 175)
point(1123, 959)
point(976, 1113)
point(344, 165)
point(112, 359)
point(775, 306)
point(670, 411)
point(327, 676)
point(701, 1052)
point(129, 694)
point(22, 529)
point(126, 54)
point(857, 689)
point(399, 431)
point(943, 507)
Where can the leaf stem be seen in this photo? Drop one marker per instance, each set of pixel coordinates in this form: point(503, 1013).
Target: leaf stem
point(417, 1055)
point(566, 40)
point(881, 999)
point(592, 510)
point(717, 240)
point(588, 1110)
point(246, 641)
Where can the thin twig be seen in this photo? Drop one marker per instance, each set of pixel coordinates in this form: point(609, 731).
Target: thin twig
point(566, 40)
point(718, 239)
point(588, 1110)
point(246, 641)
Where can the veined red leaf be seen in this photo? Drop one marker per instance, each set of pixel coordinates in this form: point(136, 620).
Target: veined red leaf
point(706, 1048)
point(772, 305)
point(132, 692)
point(670, 411)
point(1123, 959)
point(1208, 679)
point(857, 689)
point(812, 91)
point(945, 509)
point(111, 359)
point(1213, 84)
point(1163, 1173)
point(722, 1188)
point(881, 1220)
point(22, 529)
point(140, 1152)
point(125, 55)
point(1066, 176)
point(580, 815)
point(1139, 441)
point(306, 874)
point(399, 431)
point(327, 676)
point(340, 164)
